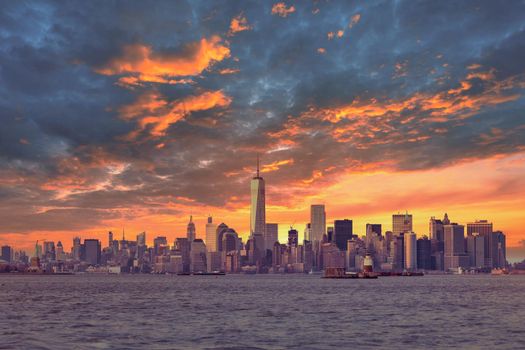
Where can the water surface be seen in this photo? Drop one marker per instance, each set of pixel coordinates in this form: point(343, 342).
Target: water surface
point(260, 311)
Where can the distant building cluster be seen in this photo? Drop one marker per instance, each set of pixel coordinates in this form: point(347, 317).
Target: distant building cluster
point(446, 248)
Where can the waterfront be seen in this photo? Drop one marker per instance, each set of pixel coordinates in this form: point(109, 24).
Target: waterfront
point(260, 311)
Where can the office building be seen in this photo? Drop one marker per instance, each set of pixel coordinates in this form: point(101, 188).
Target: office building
point(211, 237)
point(258, 204)
point(410, 242)
point(484, 228)
point(373, 228)
point(272, 235)
point(190, 231)
point(7, 253)
point(476, 250)
point(92, 251)
point(343, 231)
point(436, 229)
point(293, 237)
point(424, 249)
point(198, 256)
point(401, 223)
point(455, 253)
point(317, 222)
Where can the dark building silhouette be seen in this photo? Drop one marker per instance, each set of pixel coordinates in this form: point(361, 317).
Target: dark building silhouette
point(343, 231)
point(424, 248)
point(92, 251)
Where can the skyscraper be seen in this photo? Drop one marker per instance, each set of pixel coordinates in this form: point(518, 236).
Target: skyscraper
point(293, 237)
point(141, 239)
point(484, 228)
point(258, 204)
point(476, 250)
point(190, 232)
point(401, 223)
point(110, 239)
point(75, 250)
point(6, 253)
point(317, 222)
point(376, 228)
point(272, 235)
point(424, 249)
point(92, 247)
point(455, 253)
point(198, 256)
point(436, 229)
point(211, 237)
point(343, 231)
point(410, 242)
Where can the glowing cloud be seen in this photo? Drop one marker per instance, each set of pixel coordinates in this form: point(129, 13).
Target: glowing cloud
point(281, 9)
point(238, 24)
point(153, 112)
point(138, 63)
point(354, 20)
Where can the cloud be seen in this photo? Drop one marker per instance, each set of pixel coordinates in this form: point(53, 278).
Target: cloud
point(239, 24)
point(138, 63)
point(153, 112)
point(354, 20)
point(282, 10)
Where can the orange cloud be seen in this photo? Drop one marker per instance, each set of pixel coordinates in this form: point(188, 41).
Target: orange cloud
point(360, 121)
point(138, 63)
point(266, 168)
point(153, 111)
point(281, 9)
point(238, 24)
point(228, 71)
point(354, 20)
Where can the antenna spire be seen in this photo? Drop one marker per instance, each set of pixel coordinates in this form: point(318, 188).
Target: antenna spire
point(257, 164)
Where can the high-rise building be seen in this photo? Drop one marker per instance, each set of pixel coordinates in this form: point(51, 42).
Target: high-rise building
point(110, 239)
point(198, 256)
point(93, 250)
point(499, 250)
point(330, 234)
point(190, 232)
point(219, 233)
point(293, 237)
point(484, 228)
point(211, 237)
point(436, 229)
point(272, 235)
point(455, 253)
point(375, 228)
point(343, 231)
point(159, 243)
point(141, 239)
point(401, 223)
point(424, 251)
point(308, 232)
point(75, 250)
point(258, 204)
point(7, 253)
point(60, 252)
point(317, 222)
point(476, 250)
point(410, 242)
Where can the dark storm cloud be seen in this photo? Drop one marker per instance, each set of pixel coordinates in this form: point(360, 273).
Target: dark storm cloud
point(65, 144)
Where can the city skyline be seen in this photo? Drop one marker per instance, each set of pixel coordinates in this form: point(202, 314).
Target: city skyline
point(367, 108)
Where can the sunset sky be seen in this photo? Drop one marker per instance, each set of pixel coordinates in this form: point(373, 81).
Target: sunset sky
point(137, 114)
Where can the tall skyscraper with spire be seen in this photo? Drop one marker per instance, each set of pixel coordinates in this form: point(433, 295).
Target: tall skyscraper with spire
point(258, 205)
point(190, 232)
